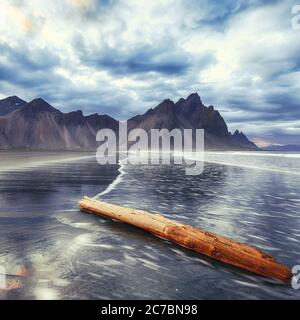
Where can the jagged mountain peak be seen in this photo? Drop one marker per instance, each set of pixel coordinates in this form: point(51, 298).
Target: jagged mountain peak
point(13, 98)
point(165, 106)
point(194, 96)
point(189, 105)
point(191, 113)
point(238, 133)
point(10, 104)
point(38, 105)
point(240, 138)
point(166, 102)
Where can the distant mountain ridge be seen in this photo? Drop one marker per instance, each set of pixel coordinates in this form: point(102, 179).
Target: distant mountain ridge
point(38, 125)
point(286, 148)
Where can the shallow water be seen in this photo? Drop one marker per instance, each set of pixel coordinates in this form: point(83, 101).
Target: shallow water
point(68, 254)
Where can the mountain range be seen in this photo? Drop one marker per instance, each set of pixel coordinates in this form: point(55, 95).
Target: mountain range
point(38, 125)
point(283, 148)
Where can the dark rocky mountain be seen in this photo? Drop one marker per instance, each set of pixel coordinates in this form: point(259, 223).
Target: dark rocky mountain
point(191, 113)
point(10, 104)
point(283, 148)
point(242, 140)
point(38, 125)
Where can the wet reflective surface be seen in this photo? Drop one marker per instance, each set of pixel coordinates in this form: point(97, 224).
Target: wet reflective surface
point(52, 250)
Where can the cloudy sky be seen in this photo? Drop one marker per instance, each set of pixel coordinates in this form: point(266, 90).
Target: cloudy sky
point(123, 57)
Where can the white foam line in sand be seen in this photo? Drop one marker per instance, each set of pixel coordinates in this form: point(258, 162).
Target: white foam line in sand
point(118, 179)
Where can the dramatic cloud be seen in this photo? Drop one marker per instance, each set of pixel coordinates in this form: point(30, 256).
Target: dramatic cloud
point(122, 57)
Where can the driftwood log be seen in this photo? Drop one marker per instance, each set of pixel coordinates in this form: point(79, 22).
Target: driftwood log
point(234, 253)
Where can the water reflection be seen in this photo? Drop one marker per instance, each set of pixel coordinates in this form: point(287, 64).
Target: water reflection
point(74, 255)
